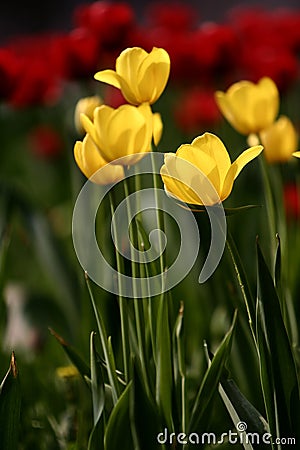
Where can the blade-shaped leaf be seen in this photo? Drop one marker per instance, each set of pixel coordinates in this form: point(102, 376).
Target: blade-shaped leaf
point(164, 377)
point(10, 406)
point(145, 419)
point(179, 367)
point(245, 410)
point(276, 356)
point(106, 346)
point(211, 379)
point(236, 419)
point(97, 385)
point(118, 431)
point(74, 356)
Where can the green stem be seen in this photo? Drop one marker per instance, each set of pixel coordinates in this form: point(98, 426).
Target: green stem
point(138, 306)
point(242, 281)
point(122, 301)
point(154, 302)
point(159, 216)
point(270, 206)
point(109, 359)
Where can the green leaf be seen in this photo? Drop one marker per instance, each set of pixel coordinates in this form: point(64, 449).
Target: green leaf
point(242, 279)
point(239, 209)
point(10, 407)
point(278, 265)
point(73, 355)
point(202, 208)
point(211, 379)
point(145, 419)
point(180, 367)
point(106, 346)
point(97, 385)
point(236, 419)
point(118, 431)
point(246, 412)
point(96, 439)
point(164, 375)
point(278, 370)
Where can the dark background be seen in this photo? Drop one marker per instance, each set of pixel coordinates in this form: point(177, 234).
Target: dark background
point(37, 16)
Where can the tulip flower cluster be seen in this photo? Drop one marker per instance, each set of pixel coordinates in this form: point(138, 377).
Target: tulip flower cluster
point(252, 110)
point(127, 130)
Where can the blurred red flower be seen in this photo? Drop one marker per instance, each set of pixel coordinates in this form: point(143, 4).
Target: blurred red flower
point(196, 111)
point(292, 201)
point(9, 69)
point(34, 79)
point(45, 142)
point(109, 22)
point(172, 16)
point(266, 45)
point(76, 54)
point(277, 63)
point(214, 49)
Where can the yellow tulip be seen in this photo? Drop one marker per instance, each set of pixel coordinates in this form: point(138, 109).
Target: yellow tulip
point(249, 107)
point(279, 140)
point(90, 161)
point(125, 131)
point(140, 75)
point(201, 173)
point(86, 106)
point(67, 372)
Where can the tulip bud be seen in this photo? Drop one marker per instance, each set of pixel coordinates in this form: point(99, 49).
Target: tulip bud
point(141, 76)
point(279, 140)
point(249, 107)
point(86, 106)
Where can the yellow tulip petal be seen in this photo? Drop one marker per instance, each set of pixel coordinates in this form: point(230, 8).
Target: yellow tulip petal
point(228, 182)
point(102, 117)
point(279, 140)
point(213, 146)
point(122, 131)
point(114, 79)
point(249, 107)
point(266, 106)
point(78, 155)
point(198, 160)
point(87, 156)
point(153, 75)
point(157, 128)
point(269, 88)
point(129, 61)
point(197, 157)
point(247, 156)
point(297, 154)
point(109, 76)
point(176, 184)
point(232, 105)
point(127, 66)
point(85, 105)
point(90, 161)
point(190, 184)
point(89, 127)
